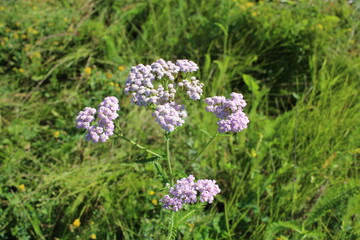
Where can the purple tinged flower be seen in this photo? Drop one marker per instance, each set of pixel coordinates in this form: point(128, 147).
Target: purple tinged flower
point(194, 88)
point(85, 118)
point(153, 86)
point(162, 68)
point(208, 189)
point(104, 127)
point(186, 190)
point(230, 112)
point(187, 66)
point(170, 116)
point(235, 122)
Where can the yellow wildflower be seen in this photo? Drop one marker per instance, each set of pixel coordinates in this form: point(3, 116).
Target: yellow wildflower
point(71, 29)
point(35, 32)
point(151, 193)
point(155, 201)
point(93, 236)
point(87, 70)
point(56, 134)
point(35, 55)
point(30, 29)
point(254, 14)
point(112, 84)
point(320, 26)
point(23, 36)
point(253, 153)
point(249, 4)
point(66, 19)
point(16, 35)
point(121, 68)
point(76, 223)
point(2, 43)
point(109, 75)
point(34, 8)
point(22, 187)
point(21, 70)
point(117, 85)
point(2, 8)
point(55, 43)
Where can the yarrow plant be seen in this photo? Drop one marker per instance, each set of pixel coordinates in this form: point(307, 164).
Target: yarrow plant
point(232, 118)
point(187, 191)
point(104, 127)
point(156, 87)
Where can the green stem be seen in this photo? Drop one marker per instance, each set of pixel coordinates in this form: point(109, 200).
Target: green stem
point(140, 146)
point(197, 155)
point(169, 157)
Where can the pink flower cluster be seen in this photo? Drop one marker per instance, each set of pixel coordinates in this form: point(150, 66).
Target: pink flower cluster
point(230, 112)
point(186, 190)
point(154, 85)
point(104, 127)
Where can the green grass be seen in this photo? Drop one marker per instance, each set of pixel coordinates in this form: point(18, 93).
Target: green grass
point(293, 174)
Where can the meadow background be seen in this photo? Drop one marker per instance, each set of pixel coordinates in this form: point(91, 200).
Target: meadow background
point(293, 174)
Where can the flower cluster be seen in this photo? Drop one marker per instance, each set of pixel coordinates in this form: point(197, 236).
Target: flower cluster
point(170, 115)
point(104, 127)
point(230, 112)
point(186, 190)
point(194, 88)
point(154, 85)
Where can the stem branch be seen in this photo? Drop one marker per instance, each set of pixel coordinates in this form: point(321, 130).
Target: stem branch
point(139, 146)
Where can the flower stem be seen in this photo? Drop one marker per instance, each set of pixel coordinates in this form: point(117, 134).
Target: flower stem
point(197, 155)
point(139, 146)
point(167, 139)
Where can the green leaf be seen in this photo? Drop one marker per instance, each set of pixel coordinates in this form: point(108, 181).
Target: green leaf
point(251, 83)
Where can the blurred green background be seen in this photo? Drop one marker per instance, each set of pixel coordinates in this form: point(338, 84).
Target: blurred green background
point(293, 174)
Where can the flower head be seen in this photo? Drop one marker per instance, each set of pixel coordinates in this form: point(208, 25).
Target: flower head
point(22, 187)
point(104, 127)
point(232, 118)
point(187, 66)
point(87, 70)
point(186, 190)
point(56, 134)
point(193, 87)
point(76, 223)
point(170, 116)
point(154, 85)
